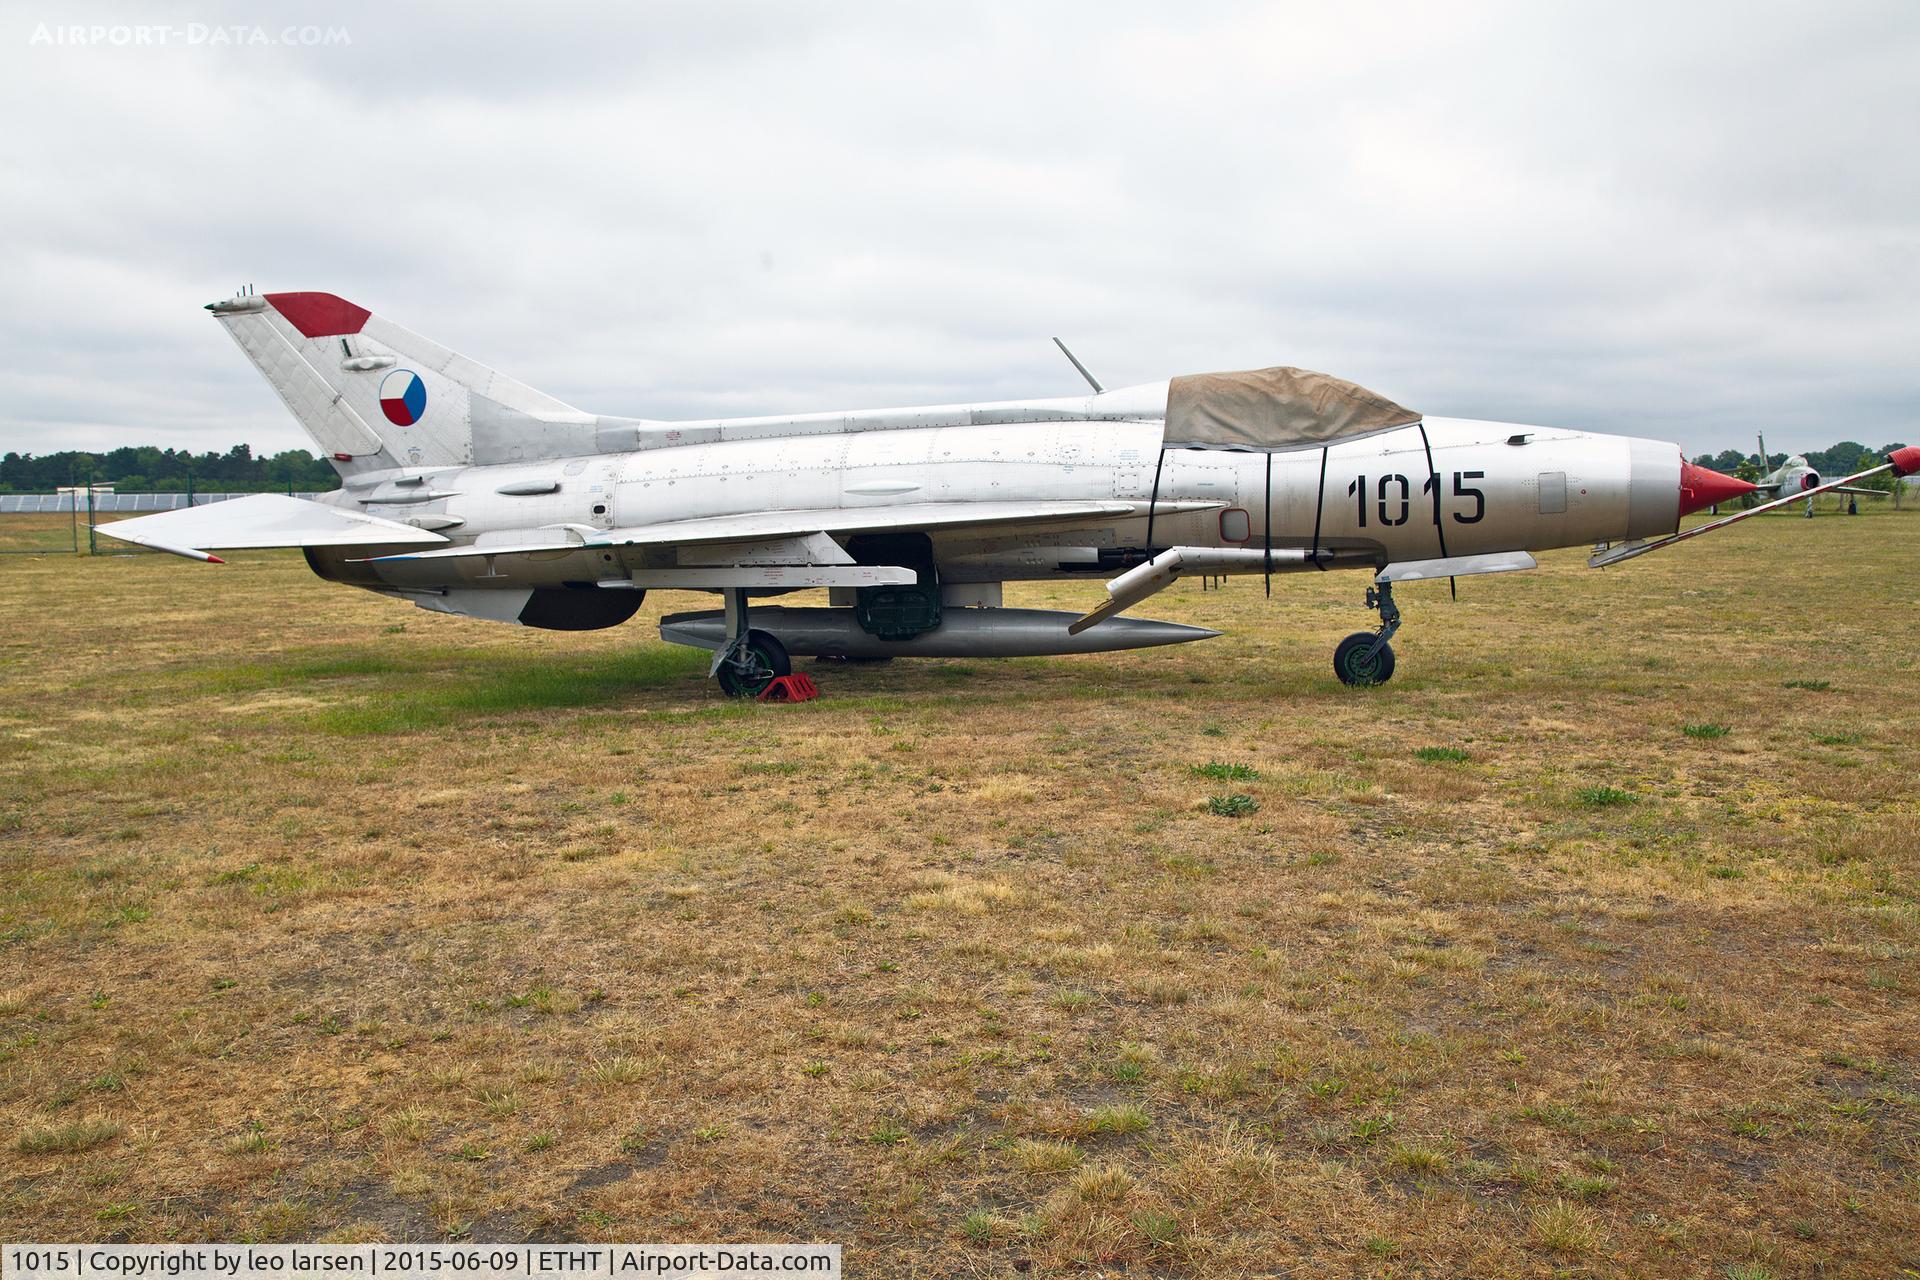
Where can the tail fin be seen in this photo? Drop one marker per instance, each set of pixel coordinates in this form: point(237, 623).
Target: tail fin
point(375, 396)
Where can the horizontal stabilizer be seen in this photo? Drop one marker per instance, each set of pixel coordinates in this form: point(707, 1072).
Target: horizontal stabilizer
point(263, 520)
point(760, 526)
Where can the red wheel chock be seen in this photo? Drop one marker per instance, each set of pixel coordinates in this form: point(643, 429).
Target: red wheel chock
point(795, 688)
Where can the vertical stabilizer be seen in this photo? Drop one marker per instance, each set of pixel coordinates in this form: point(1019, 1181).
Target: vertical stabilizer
point(376, 396)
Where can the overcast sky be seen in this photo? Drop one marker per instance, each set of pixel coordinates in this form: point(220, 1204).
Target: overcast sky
point(1692, 221)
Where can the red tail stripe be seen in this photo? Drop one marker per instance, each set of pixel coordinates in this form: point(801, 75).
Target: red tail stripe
point(319, 315)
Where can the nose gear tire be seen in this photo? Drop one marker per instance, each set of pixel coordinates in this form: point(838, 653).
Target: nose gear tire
point(1355, 666)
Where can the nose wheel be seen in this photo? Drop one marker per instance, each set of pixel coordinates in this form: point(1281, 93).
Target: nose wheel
point(1364, 658)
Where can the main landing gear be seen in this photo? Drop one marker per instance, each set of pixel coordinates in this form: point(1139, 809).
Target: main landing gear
point(1364, 657)
point(751, 660)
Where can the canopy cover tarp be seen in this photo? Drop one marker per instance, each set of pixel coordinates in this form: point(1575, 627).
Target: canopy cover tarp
point(1270, 410)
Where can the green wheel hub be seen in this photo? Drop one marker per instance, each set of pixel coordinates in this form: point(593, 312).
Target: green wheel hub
point(755, 667)
point(1360, 663)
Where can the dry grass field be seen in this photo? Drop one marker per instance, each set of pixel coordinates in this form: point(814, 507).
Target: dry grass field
point(1589, 946)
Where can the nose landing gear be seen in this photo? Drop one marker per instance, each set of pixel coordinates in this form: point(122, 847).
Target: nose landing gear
point(1364, 657)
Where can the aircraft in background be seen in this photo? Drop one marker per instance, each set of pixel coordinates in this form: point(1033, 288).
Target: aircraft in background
point(466, 492)
point(1796, 477)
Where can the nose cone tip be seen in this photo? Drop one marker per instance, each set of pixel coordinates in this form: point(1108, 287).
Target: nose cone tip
point(1701, 488)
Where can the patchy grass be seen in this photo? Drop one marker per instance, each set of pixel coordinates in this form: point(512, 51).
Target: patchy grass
point(528, 684)
point(315, 927)
point(1565, 1229)
point(1045, 1157)
point(621, 1069)
point(1443, 755)
point(1420, 1157)
point(1237, 805)
point(1221, 771)
point(65, 1139)
point(1123, 1118)
point(952, 895)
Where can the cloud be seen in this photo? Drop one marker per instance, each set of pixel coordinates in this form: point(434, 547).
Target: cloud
point(1691, 222)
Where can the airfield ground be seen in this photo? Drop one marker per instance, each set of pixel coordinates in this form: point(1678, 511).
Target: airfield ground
point(1590, 945)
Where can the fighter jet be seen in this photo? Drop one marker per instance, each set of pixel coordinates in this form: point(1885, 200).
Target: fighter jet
point(466, 492)
point(1795, 477)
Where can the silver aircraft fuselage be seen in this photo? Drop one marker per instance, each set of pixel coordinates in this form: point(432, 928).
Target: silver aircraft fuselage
point(1502, 487)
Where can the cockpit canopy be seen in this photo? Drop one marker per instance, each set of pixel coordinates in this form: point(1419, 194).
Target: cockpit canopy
point(1273, 410)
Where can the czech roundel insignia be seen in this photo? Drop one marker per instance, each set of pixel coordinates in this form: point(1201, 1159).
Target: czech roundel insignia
point(403, 397)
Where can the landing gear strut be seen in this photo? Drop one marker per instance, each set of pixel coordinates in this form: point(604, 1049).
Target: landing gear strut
point(750, 660)
point(1364, 657)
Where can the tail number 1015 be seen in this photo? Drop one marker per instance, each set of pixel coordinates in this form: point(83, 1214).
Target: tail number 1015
point(1392, 498)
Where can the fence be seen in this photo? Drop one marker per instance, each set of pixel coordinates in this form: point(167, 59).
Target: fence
point(40, 530)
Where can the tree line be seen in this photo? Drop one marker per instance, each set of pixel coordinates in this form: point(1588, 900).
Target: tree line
point(145, 469)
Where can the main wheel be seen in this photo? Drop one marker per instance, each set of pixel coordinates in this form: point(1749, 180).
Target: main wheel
point(755, 666)
point(1352, 664)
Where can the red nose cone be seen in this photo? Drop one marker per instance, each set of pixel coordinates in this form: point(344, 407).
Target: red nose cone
point(1905, 461)
point(1701, 488)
